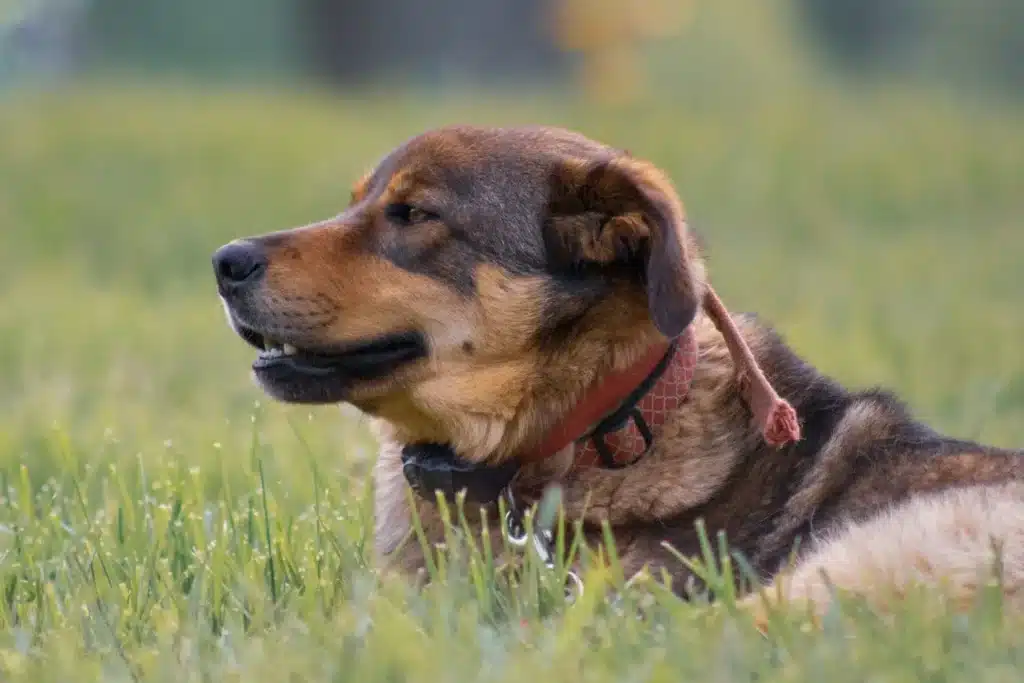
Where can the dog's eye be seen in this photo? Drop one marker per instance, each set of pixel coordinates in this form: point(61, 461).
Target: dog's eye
point(406, 214)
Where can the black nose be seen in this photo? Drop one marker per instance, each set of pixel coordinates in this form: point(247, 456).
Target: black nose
point(238, 263)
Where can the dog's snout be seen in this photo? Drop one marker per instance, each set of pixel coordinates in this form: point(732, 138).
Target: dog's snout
point(239, 263)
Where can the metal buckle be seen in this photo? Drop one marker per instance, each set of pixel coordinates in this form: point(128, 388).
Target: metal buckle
point(543, 544)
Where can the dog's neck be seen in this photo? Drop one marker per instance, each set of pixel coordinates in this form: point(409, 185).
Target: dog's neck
point(615, 422)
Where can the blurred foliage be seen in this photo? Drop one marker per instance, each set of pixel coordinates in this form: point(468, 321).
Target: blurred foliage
point(429, 45)
point(609, 49)
point(949, 41)
point(225, 37)
point(610, 35)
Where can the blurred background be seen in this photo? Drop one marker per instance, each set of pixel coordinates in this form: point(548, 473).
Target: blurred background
point(856, 166)
point(599, 44)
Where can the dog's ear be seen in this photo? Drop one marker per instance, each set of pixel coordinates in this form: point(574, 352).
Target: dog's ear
point(623, 213)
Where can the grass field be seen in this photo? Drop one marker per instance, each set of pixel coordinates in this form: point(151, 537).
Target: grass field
point(160, 521)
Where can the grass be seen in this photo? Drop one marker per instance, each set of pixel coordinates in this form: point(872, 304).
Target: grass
point(159, 520)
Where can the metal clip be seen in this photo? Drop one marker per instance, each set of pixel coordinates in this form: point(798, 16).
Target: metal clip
point(543, 544)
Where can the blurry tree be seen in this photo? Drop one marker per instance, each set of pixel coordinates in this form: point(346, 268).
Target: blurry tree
point(342, 41)
point(419, 42)
point(39, 38)
point(610, 36)
point(429, 41)
point(203, 36)
point(861, 33)
point(953, 41)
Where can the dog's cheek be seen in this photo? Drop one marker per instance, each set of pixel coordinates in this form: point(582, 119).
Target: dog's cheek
point(452, 337)
point(510, 310)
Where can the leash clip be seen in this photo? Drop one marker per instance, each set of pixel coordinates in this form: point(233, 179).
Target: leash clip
point(543, 544)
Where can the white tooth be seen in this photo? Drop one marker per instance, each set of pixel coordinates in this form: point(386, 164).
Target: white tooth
point(289, 350)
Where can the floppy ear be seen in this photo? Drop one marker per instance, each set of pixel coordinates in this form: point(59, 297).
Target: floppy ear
point(623, 212)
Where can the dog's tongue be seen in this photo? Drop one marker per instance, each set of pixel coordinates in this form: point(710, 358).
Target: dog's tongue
point(775, 416)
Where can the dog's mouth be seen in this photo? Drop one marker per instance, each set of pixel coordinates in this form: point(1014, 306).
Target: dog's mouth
point(324, 375)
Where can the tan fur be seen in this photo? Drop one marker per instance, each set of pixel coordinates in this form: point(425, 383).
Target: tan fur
point(392, 514)
point(359, 189)
point(956, 541)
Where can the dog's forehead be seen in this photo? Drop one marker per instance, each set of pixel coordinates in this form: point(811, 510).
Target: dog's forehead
point(467, 159)
point(460, 144)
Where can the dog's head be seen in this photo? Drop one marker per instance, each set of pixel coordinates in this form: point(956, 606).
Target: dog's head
point(465, 263)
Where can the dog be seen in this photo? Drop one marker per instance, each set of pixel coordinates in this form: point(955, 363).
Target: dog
point(484, 283)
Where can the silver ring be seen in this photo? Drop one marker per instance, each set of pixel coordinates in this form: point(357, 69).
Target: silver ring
point(543, 552)
point(514, 538)
point(573, 587)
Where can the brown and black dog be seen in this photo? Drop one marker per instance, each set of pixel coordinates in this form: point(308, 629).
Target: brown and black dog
point(483, 281)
